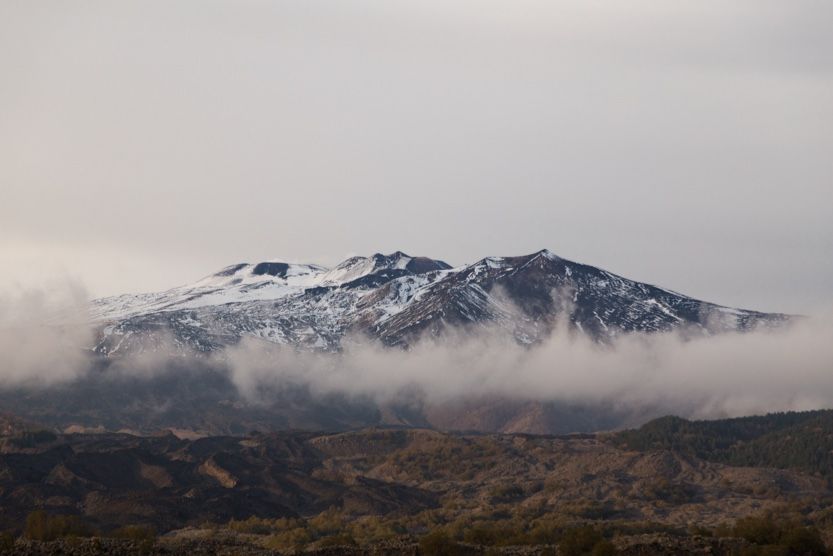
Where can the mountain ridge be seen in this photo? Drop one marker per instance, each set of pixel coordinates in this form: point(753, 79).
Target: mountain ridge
point(397, 298)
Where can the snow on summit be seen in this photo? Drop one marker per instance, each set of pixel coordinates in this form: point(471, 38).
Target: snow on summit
point(396, 298)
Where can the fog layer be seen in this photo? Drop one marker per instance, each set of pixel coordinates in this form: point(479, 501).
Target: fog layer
point(730, 374)
point(44, 342)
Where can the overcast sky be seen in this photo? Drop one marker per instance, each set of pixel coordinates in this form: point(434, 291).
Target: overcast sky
point(686, 143)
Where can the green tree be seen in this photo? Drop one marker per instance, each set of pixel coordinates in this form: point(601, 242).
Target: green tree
point(36, 526)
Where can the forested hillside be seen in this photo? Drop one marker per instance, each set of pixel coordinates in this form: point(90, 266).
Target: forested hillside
point(792, 440)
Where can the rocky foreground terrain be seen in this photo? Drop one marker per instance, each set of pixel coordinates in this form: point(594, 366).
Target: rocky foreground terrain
point(665, 488)
point(634, 545)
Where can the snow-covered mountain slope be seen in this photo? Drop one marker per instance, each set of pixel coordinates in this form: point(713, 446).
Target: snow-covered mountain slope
point(396, 298)
point(234, 284)
point(393, 265)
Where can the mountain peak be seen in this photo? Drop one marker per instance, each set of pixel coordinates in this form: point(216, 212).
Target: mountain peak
point(548, 254)
point(514, 261)
point(394, 255)
point(396, 297)
point(397, 259)
point(396, 262)
point(274, 269)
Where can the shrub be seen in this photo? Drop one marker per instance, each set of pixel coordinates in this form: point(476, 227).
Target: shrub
point(68, 526)
point(576, 542)
point(30, 439)
point(603, 548)
point(778, 538)
point(134, 532)
point(438, 543)
point(804, 541)
point(6, 542)
point(665, 490)
point(292, 538)
point(579, 541)
point(700, 531)
point(757, 530)
point(342, 539)
point(506, 493)
point(42, 527)
point(328, 522)
point(254, 525)
point(36, 528)
point(481, 534)
point(544, 532)
point(597, 510)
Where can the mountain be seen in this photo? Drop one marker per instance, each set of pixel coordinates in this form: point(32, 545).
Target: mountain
point(393, 300)
point(397, 298)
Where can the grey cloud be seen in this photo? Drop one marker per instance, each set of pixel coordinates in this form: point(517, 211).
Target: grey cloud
point(683, 143)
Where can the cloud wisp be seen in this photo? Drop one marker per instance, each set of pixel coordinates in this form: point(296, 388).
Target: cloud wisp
point(43, 334)
point(725, 375)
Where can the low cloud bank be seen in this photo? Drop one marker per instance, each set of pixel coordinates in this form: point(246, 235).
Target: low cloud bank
point(724, 375)
point(43, 341)
point(43, 334)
